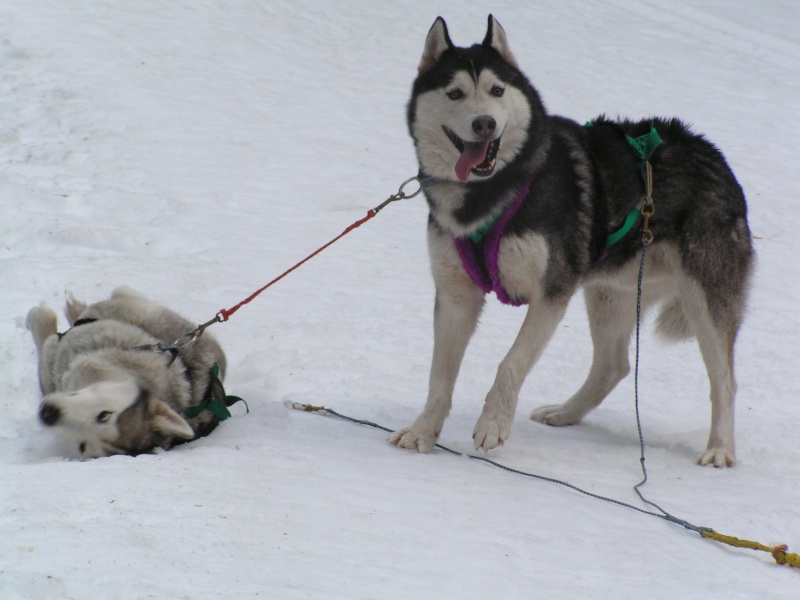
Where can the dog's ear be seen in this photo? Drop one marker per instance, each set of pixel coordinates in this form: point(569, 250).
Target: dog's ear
point(496, 38)
point(436, 43)
point(168, 422)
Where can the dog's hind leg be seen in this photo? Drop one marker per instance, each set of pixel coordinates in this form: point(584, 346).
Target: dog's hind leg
point(125, 291)
point(43, 325)
point(612, 313)
point(713, 284)
point(716, 332)
point(718, 357)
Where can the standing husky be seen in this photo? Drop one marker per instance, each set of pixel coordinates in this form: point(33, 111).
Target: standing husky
point(109, 390)
point(526, 204)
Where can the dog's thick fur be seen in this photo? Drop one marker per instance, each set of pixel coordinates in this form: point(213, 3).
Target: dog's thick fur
point(481, 134)
point(106, 396)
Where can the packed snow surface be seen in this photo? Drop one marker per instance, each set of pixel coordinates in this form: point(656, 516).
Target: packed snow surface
point(195, 149)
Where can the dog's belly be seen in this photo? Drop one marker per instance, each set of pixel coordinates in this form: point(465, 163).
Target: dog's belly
point(662, 266)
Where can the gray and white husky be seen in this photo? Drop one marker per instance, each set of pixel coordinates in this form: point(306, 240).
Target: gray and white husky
point(109, 390)
point(526, 204)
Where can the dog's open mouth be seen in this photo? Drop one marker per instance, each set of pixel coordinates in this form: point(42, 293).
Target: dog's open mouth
point(476, 157)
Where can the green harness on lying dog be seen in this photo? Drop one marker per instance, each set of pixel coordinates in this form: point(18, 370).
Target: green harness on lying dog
point(215, 400)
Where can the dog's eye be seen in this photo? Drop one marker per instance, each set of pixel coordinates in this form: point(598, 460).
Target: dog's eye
point(455, 94)
point(497, 91)
point(104, 416)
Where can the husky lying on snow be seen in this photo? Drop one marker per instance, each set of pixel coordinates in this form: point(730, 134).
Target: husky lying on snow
point(107, 394)
point(527, 205)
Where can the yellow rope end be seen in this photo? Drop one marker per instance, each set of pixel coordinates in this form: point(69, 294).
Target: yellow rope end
point(782, 557)
point(779, 553)
point(307, 407)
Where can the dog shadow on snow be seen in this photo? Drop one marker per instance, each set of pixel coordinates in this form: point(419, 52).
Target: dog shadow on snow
point(604, 430)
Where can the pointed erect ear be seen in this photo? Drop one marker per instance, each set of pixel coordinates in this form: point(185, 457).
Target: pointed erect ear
point(168, 422)
point(496, 38)
point(436, 43)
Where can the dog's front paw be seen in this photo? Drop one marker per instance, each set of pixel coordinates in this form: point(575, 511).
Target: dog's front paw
point(555, 415)
point(413, 439)
point(491, 431)
point(717, 457)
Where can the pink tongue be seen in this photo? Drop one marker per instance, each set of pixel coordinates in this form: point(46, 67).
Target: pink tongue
point(473, 155)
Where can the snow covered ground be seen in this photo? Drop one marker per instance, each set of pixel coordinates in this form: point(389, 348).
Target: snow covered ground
point(194, 149)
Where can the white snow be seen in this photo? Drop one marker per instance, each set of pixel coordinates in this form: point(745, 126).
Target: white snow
point(195, 149)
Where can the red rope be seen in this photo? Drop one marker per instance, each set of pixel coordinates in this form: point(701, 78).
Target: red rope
point(226, 313)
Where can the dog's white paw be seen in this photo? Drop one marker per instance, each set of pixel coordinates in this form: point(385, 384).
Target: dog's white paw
point(555, 414)
point(413, 439)
point(491, 431)
point(717, 457)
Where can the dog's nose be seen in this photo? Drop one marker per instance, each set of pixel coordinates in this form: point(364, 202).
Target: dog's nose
point(484, 125)
point(49, 414)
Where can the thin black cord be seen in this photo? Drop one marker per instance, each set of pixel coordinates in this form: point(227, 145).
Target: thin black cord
point(662, 515)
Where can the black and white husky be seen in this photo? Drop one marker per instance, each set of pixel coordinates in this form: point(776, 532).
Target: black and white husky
point(107, 387)
point(527, 205)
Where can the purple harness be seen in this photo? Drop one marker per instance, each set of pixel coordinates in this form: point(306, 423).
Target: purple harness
point(489, 280)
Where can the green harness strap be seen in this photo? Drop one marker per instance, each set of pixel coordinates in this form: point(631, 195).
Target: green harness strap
point(215, 401)
point(480, 233)
point(620, 233)
point(644, 146)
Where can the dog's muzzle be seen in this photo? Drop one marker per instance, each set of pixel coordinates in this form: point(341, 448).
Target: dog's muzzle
point(476, 157)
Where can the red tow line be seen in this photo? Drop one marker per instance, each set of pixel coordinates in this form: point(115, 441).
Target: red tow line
point(226, 313)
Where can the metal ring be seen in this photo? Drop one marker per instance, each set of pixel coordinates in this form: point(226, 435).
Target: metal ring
point(402, 195)
point(185, 340)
